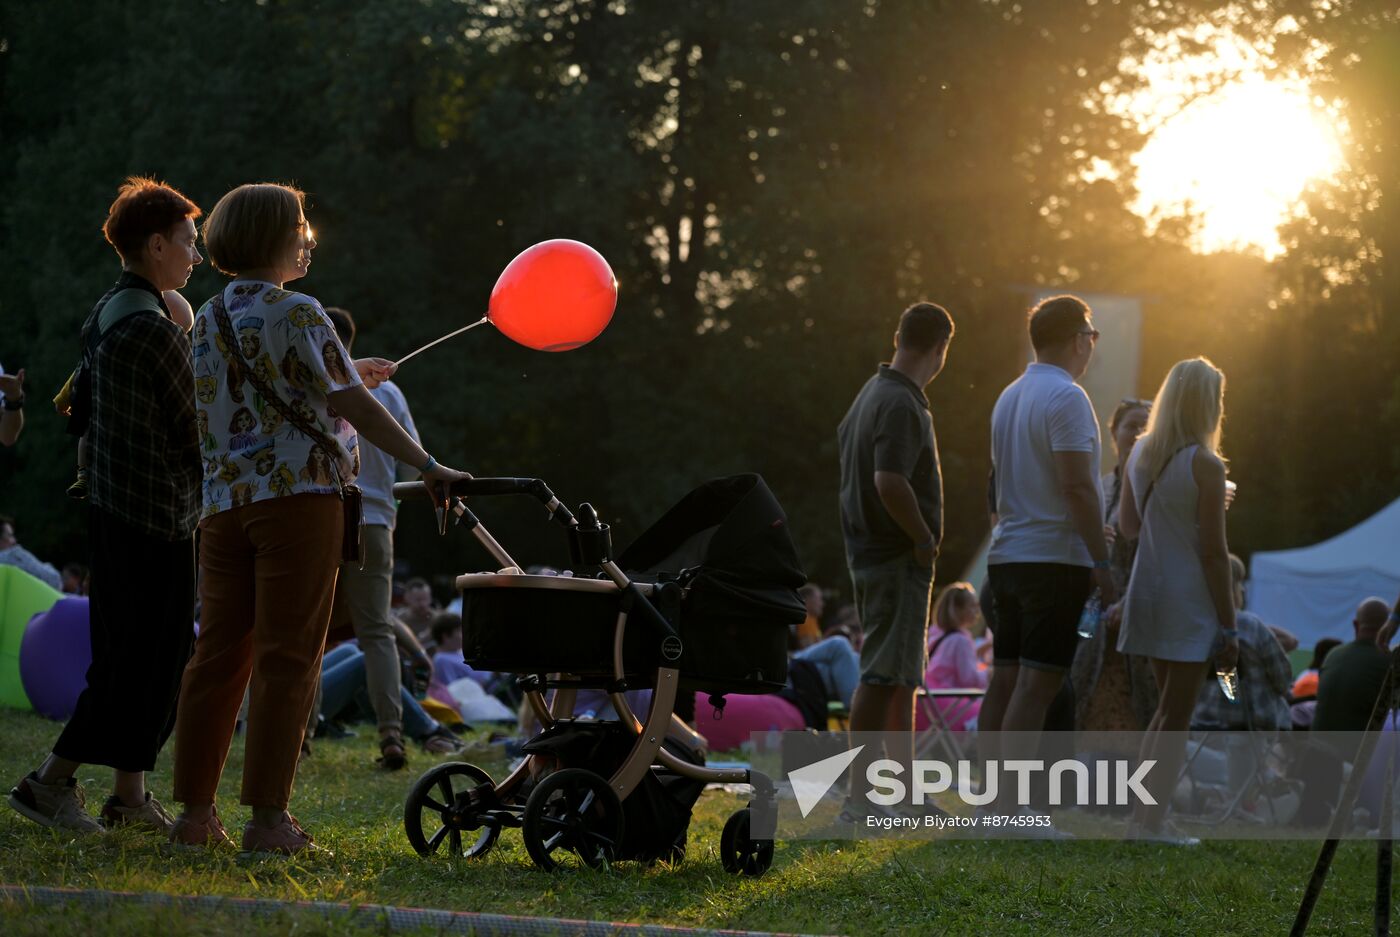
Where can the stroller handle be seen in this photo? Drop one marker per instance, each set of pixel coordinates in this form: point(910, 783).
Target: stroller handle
point(467, 487)
point(480, 486)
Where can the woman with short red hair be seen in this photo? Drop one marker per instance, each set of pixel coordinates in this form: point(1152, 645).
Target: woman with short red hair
point(143, 480)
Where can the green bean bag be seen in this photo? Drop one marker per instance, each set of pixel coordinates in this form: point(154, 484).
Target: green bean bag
point(21, 598)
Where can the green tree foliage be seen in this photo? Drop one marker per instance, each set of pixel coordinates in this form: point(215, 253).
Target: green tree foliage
point(1315, 420)
point(772, 180)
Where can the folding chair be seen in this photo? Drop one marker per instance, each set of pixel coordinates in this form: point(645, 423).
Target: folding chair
point(938, 735)
point(1246, 771)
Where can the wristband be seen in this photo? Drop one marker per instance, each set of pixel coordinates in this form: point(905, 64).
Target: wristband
point(1230, 632)
point(1103, 564)
point(429, 465)
point(13, 405)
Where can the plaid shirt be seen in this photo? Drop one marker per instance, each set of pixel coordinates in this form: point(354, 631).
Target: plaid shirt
point(1265, 679)
point(143, 451)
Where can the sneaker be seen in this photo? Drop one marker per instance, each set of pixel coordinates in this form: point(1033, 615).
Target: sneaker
point(78, 491)
point(853, 813)
point(857, 811)
point(60, 805)
point(287, 838)
point(150, 815)
point(441, 741)
point(189, 834)
point(1168, 835)
point(330, 729)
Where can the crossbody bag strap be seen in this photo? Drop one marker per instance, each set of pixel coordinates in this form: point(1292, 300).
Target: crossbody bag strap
point(245, 373)
point(1153, 484)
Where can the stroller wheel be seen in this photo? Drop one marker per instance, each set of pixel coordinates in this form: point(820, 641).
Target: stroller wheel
point(439, 809)
point(572, 810)
point(738, 852)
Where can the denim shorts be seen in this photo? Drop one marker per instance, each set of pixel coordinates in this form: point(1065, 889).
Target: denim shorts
point(892, 600)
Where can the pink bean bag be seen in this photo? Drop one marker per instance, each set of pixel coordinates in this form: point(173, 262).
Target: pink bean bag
point(744, 715)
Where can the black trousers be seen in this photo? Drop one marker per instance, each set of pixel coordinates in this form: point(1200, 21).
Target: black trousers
point(141, 609)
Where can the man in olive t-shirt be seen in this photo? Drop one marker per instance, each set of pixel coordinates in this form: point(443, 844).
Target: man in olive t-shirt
point(892, 521)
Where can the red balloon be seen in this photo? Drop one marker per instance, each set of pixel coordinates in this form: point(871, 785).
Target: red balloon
point(554, 296)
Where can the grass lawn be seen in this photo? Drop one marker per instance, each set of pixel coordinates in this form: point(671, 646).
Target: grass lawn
point(999, 888)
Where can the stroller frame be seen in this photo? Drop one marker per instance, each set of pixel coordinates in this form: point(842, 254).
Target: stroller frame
point(572, 809)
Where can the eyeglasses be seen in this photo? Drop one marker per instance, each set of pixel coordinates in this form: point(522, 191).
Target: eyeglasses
point(1092, 333)
point(1135, 402)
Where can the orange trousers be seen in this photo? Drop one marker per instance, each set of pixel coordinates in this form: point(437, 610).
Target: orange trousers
point(267, 577)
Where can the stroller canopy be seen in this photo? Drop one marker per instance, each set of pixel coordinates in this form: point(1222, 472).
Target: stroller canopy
point(733, 527)
point(735, 532)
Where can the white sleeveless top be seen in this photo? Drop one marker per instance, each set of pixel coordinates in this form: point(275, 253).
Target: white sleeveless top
point(1168, 613)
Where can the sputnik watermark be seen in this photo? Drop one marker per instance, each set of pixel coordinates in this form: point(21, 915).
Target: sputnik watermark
point(1227, 785)
point(1118, 783)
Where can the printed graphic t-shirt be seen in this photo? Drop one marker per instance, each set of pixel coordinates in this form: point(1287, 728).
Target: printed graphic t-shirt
point(251, 453)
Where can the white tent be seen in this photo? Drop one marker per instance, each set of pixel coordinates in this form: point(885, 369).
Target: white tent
point(1313, 591)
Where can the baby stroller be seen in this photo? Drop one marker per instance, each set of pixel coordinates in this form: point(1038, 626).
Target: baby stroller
point(701, 601)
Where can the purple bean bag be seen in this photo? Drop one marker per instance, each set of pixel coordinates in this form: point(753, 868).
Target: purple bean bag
point(54, 657)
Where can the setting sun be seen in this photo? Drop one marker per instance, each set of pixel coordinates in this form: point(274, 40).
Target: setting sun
point(1239, 159)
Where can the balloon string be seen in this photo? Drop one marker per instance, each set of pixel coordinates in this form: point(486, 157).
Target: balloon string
point(465, 328)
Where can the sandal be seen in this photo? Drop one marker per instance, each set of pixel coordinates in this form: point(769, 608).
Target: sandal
point(392, 756)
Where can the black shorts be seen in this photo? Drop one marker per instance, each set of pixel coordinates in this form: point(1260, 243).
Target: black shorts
point(1037, 612)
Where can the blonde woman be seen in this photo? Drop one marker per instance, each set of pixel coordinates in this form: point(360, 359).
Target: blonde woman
point(1179, 611)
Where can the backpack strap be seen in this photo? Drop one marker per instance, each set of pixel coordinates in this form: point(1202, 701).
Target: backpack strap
point(933, 648)
point(74, 400)
point(125, 303)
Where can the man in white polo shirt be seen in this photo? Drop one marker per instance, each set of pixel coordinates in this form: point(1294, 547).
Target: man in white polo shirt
point(1048, 550)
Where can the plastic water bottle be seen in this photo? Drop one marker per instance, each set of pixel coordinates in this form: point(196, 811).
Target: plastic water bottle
point(1089, 618)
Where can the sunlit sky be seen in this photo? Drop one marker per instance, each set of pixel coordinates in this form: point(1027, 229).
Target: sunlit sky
point(1239, 155)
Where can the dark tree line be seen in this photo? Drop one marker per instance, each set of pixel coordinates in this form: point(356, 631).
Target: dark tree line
point(772, 180)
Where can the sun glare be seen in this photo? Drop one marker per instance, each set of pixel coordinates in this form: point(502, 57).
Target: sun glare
point(1239, 159)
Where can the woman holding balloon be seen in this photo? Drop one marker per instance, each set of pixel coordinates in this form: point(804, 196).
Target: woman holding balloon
point(269, 554)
